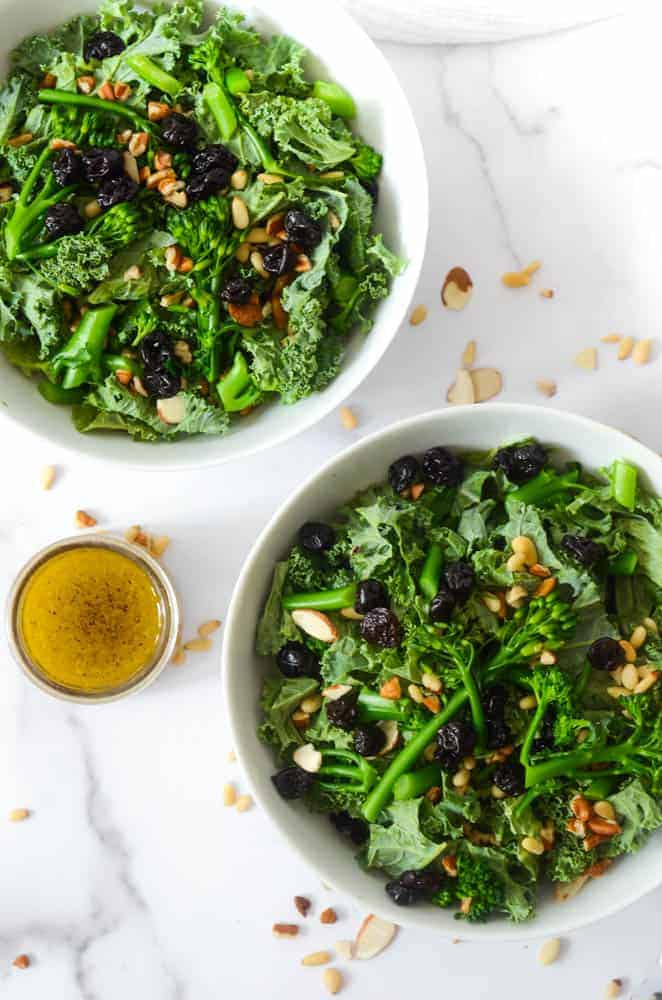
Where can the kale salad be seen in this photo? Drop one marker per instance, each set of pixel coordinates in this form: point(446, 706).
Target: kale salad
point(186, 220)
point(464, 675)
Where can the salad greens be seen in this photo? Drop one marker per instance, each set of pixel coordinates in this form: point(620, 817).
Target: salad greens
point(467, 664)
point(185, 215)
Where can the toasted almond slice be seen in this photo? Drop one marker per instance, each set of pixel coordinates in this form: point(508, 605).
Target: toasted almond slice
point(469, 354)
point(462, 392)
point(307, 758)
point(345, 950)
point(171, 410)
point(587, 359)
point(374, 935)
point(625, 348)
point(546, 387)
point(336, 691)
point(389, 727)
point(315, 623)
point(457, 289)
point(419, 315)
point(487, 383)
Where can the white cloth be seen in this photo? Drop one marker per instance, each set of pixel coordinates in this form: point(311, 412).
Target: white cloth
point(473, 21)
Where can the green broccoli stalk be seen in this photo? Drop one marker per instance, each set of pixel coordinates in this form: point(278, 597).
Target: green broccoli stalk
point(455, 651)
point(547, 485)
point(146, 69)
point(430, 577)
point(410, 786)
point(554, 688)
point(623, 476)
point(322, 600)
point(237, 390)
point(373, 708)
point(80, 360)
point(344, 769)
point(67, 97)
point(367, 163)
point(25, 220)
point(624, 564)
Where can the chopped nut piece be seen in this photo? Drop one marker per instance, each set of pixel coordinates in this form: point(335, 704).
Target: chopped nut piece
point(302, 905)
point(625, 349)
point(155, 179)
point(328, 916)
point(418, 316)
point(587, 359)
point(546, 293)
point(457, 289)
point(391, 689)
point(348, 418)
point(285, 930)
point(198, 645)
point(239, 180)
point(515, 279)
point(122, 91)
point(133, 273)
point(469, 354)
point(332, 980)
point(138, 147)
point(532, 845)
point(244, 803)
point(18, 815)
point(21, 962)
point(416, 491)
point(642, 350)
point(47, 477)
point(84, 520)
point(546, 387)
point(316, 958)
point(106, 92)
point(229, 795)
point(85, 84)
point(157, 111)
point(159, 544)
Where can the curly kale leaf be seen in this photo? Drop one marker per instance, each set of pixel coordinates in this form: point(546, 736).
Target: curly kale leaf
point(397, 844)
point(302, 128)
point(29, 307)
point(275, 626)
point(81, 261)
point(280, 697)
point(639, 814)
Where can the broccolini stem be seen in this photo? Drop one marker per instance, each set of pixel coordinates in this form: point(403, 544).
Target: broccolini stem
point(576, 760)
point(381, 794)
point(119, 363)
point(148, 71)
point(236, 81)
point(47, 96)
point(415, 783)
point(373, 708)
point(544, 486)
point(221, 109)
point(624, 564)
point(80, 359)
point(430, 577)
point(237, 390)
point(322, 600)
point(624, 483)
point(352, 767)
point(27, 213)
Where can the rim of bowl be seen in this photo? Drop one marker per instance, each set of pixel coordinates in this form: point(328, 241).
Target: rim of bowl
point(333, 395)
point(160, 578)
point(242, 738)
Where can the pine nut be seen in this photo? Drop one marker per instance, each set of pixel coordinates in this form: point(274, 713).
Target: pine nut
point(533, 846)
point(618, 692)
point(604, 827)
point(613, 989)
point(229, 795)
point(415, 693)
point(270, 178)
point(642, 351)
point(207, 628)
point(647, 682)
point(239, 180)
point(311, 704)
point(628, 649)
point(547, 658)
point(539, 571)
point(257, 262)
point(550, 951)
point(630, 677)
point(516, 596)
point(198, 645)
point(332, 175)
point(18, 815)
point(47, 477)
point(461, 778)
point(611, 338)
point(20, 140)
point(62, 144)
point(106, 92)
point(604, 810)
point(92, 210)
point(348, 418)
point(498, 793)
point(469, 763)
point(516, 563)
point(332, 981)
point(523, 544)
point(333, 220)
point(349, 613)
point(243, 252)
point(431, 682)
point(418, 316)
point(528, 702)
point(274, 224)
point(316, 958)
point(244, 803)
point(240, 215)
point(173, 255)
point(651, 625)
point(492, 603)
point(638, 637)
point(625, 348)
point(258, 235)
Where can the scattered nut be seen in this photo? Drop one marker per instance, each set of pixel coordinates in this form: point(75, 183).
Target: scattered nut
point(285, 930)
point(106, 92)
point(133, 273)
point(487, 383)
point(332, 980)
point(20, 140)
point(457, 289)
point(240, 215)
point(316, 958)
point(419, 315)
point(302, 905)
point(229, 795)
point(244, 803)
point(138, 147)
point(122, 91)
point(270, 178)
point(641, 352)
point(462, 392)
point(207, 628)
point(546, 387)
point(18, 815)
point(47, 477)
point(158, 545)
point(21, 962)
point(85, 84)
point(157, 111)
point(546, 293)
point(316, 624)
point(57, 144)
point(533, 845)
point(328, 916)
point(550, 951)
point(469, 354)
point(515, 279)
point(391, 689)
point(587, 359)
point(198, 645)
point(84, 520)
point(625, 348)
point(179, 657)
point(239, 180)
point(611, 338)
point(348, 418)
point(613, 989)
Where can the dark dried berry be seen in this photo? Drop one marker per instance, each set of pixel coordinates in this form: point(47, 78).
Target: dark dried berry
point(455, 740)
point(442, 468)
point(203, 186)
point(296, 660)
point(424, 882)
point(498, 734)
point(215, 157)
point(521, 462)
point(343, 711)
point(315, 536)
point(494, 705)
point(155, 350)
point(382, 628)
point(606, 654)
point(67, 168)
point(102, 45)
point(584, 550)
point(301, 229)
point(63, 219)
point(443, 605)
point(355, 829)
point(369, 740)
point(400, 895)
point(161, 384)
point(116, 190)
point(509, 777)
point(278, 259)
point(100, 164)
point(459, 578)
point(293, 782)
point(178, 130)
point(404, 472)
point(370, 594)
point(237, 290)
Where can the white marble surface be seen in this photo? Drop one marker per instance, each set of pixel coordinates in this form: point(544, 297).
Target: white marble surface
point(130, 879)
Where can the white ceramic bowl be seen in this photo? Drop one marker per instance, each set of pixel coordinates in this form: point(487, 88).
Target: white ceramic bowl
point(479, 427)
point(340, 50)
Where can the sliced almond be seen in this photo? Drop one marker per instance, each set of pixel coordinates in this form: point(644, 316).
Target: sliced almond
point(389, 727)
point(336, 691)
point(457, 289)
point(374, 935)
point(171, 410)
point(316, 624)
point(469, 354)
point(307, 758)
point(546, 387)
point(345, 950)
point(462, 392)
point(587, 359)
point(487, 383)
